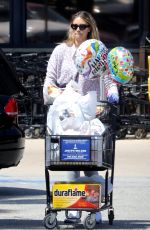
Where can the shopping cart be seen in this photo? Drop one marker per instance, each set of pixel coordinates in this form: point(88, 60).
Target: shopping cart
point(81, 153)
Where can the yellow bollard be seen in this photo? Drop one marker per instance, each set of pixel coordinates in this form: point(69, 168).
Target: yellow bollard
point(149, 78)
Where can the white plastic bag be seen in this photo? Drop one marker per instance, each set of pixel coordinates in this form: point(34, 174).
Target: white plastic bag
point(69, 110)
point(97, 127)
point(88, 105)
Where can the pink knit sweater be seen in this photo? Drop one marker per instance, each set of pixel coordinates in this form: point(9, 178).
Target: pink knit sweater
point(61, 69)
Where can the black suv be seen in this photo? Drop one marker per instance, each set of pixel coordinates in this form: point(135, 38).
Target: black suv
point(12, 138)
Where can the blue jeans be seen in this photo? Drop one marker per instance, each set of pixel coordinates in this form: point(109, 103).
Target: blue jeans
point(72, 175)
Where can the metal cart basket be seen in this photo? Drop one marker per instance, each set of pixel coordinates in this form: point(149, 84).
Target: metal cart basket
point(82, 152)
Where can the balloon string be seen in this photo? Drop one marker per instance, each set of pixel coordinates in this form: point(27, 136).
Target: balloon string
point(77, 77)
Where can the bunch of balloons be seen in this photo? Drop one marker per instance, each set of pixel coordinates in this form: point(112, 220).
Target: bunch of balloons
point(92, 59)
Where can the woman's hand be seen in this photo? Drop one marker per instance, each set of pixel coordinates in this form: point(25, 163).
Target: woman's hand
point(113, 95)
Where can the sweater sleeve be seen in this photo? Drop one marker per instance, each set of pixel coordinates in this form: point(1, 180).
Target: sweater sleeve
point(111, 87)
point(51, 76)
point(108, 82)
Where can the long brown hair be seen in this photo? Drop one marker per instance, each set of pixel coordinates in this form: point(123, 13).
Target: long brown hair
point(88, 18)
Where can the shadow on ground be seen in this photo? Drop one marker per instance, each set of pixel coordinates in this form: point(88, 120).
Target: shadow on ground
point(38, 224)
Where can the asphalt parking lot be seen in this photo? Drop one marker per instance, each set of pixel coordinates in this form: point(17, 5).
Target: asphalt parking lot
point(23, 198)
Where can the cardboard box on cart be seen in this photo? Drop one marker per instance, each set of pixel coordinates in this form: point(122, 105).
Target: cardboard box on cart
point(76, 195)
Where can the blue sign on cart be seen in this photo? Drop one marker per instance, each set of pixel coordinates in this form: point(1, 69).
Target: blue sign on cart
point(74, 149)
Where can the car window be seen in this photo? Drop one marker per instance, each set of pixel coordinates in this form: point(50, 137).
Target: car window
point(10, 83)
point(44, 24)
point(38, 11)
point(4, 21)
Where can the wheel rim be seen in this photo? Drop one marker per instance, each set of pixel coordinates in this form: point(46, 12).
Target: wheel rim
point(140, 133)
point(89, 223)
point(49, 222)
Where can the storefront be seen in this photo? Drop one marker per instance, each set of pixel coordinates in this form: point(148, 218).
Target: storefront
point(33, 23)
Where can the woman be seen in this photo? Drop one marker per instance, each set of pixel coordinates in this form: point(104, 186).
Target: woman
point(61, 69)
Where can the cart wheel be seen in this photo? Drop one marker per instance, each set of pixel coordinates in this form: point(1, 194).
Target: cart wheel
point(131, 131)
point(111, 217)
point(89, 222)
point(121, 133)
point(140, 133)
point(37, 133)
point(50, 221)
point(28, 133)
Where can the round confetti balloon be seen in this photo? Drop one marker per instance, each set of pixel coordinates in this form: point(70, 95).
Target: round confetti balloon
point(120, 62)
point(91, 58)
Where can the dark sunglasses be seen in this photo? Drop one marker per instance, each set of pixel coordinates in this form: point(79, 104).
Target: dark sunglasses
point(80, 26)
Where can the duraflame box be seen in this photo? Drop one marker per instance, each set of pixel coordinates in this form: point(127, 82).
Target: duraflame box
point(76, 195)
